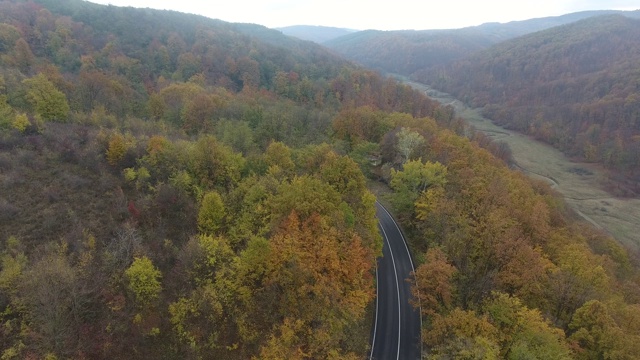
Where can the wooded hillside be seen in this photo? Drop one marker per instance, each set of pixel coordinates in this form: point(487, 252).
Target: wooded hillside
point(410, 53)
point(166, 191)
point(575, 87)
point(174, 187)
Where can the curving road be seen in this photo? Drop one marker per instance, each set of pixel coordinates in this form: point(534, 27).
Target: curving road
point(396, 333)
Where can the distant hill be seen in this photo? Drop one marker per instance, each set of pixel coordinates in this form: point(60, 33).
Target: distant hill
point(318, 34)
point(575, 86)
point(406, 52)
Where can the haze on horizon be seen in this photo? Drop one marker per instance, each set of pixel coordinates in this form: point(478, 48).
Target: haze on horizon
point(375, 14)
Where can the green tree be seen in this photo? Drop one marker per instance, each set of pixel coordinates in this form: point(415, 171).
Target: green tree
point(523, 332)
point(414, 179)
point(21, 122)
point(8, 37)
point(6, 112)
point(408, 142)
point(416, 176)
point(144, 281)
point(237, 134)
point(278, 157)
point(213, 164)
point(595, 330)
point(49, 103)
point(211, 214)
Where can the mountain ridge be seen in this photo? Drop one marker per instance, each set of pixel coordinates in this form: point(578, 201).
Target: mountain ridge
point(315, 33)
point(407, 51)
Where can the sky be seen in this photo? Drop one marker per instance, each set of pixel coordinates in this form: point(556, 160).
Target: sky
point(376, 14)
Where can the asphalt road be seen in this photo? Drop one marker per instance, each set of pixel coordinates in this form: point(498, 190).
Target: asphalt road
point(396, 333)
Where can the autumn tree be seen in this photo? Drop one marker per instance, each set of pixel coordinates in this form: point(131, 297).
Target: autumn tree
point(23, 56)
point(116, 149)
point(361, 124)
point(197, 113)
point(434, 288)
point(318, 277)
point(21, 122)
point(462, 333)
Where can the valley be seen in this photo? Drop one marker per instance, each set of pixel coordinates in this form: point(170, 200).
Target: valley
point(579, 183)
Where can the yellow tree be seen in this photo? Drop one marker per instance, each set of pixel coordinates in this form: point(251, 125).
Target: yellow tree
point(144, 281)
point(116, 149)
point(49, 103)
point(414, 178)
point(461, 333)
point(522, 332)
point(211, 214)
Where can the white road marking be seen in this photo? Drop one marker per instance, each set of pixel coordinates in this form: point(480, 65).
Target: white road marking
point(410, 260)
point(375, 325)
point(397, 287)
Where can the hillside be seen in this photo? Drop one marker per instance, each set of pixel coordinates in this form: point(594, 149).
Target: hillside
point(162, 176)
point(408, 52)
point(318, 34)
point(175, 187)
point(574, 86)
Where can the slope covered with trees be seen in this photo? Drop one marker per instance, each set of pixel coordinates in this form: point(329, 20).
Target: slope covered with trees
point(178, 187)
point(504, 272)
point(575, 87)
point(166, 191)
point(411, 52)
point(407, 51)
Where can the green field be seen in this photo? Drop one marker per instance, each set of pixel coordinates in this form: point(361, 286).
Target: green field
point(579, 183)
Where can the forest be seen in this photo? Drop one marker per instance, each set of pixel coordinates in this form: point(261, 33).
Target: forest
point(412, 52)
point(176, 187)
point(574, 87)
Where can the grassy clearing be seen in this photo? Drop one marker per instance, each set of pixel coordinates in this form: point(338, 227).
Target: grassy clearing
point(579, 183)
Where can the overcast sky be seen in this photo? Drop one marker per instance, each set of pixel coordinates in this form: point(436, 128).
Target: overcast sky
point(375, 14)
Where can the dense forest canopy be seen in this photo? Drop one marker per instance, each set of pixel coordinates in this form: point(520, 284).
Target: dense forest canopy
point(178, 187)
